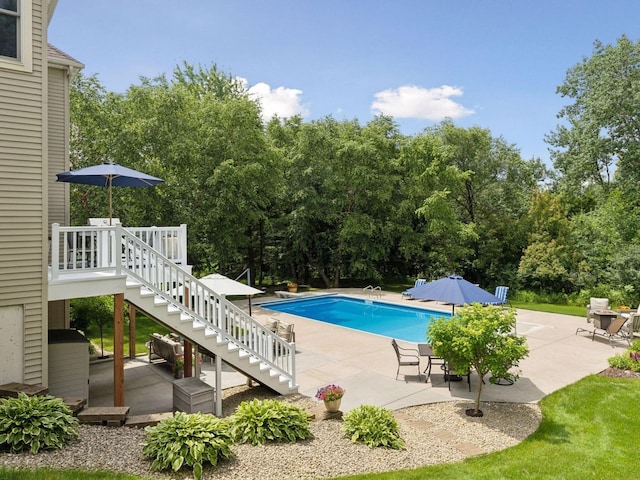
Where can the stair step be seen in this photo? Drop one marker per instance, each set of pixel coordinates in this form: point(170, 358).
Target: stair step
point(197, 325)
point(160, 302)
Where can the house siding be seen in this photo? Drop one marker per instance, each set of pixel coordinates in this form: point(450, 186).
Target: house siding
point(23, 203)
point(58, 147)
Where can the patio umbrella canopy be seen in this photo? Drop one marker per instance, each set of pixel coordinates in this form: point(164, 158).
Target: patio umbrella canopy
point(225, 286)
point(109, 175)
point(455, 290)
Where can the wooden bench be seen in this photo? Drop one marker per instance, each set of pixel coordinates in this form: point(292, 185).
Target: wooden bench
point(164, 347)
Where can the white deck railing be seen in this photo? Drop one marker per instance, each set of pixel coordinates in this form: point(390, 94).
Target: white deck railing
point(126, 251)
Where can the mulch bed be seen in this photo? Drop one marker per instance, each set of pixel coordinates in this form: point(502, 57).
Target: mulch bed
point(618, 373)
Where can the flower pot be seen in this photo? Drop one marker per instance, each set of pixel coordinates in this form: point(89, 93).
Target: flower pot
point(332, 405)
point(293, 288)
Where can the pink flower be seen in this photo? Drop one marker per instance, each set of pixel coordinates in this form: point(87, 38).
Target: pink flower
point(330, 392)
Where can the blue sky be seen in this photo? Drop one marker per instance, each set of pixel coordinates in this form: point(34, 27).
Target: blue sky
point(494, 64)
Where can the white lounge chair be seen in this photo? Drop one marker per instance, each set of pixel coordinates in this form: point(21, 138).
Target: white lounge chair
point(419, 281)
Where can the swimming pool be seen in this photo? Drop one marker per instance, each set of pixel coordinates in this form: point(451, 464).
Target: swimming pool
point(390, 320)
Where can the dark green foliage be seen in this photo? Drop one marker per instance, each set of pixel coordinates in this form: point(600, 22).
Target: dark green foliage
point(373, 426)
point(261, 421)
point(629, 360)
point(35, 423)
point(188, 439)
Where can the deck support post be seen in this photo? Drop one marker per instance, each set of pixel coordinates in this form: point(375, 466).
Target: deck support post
point(132, 331)
point(118, 350)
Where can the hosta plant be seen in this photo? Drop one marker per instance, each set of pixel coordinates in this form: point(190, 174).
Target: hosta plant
point(261, 421)
point(629, 360)
point(188, 439)
point(374, 426)
point(35, 423)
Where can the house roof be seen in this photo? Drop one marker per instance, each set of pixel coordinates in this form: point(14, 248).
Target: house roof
point(57, 56)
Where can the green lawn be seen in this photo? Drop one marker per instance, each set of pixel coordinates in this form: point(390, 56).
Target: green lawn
point(551, 308)
point(144, 327)
point(587, 431)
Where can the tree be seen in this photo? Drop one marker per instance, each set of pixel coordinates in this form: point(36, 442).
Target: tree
point(489, 197)
point(97, 311)
point(340, 190)
point(482, 338)
point(602, 130)
point(547, 260)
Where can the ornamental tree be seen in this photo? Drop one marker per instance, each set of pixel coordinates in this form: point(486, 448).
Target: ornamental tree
point(482, 338)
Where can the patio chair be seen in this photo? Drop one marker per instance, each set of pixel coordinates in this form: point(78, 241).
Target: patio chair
point(419, 281)
point(285, 331)
point(613, 330)
point(632, 327)
point(596, 304)
point(501, 293)
point(449, 372)
point(407, 357)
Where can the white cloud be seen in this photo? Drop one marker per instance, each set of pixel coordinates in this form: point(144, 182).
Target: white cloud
point(410, 101)
point(281, 101)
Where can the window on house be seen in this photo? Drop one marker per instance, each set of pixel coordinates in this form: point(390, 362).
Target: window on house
point(9, 29)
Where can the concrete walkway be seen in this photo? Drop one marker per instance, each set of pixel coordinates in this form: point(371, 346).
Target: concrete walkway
point(365, 365)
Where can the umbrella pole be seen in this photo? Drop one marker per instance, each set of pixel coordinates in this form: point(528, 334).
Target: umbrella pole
point(110, 211)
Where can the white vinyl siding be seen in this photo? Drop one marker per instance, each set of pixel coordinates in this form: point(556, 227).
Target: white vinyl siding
point(23, 176)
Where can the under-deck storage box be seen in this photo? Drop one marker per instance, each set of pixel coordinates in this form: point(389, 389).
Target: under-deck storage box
point(192, 395)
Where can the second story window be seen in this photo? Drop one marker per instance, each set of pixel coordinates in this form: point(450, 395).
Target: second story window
point(9, 29)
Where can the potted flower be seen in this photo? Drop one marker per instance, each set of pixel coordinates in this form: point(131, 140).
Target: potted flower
point(292, 286)
point(331, 395)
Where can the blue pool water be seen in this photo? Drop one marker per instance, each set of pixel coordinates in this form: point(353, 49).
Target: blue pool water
point(395, 321)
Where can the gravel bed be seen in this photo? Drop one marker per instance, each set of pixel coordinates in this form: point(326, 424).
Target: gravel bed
point(434, 433)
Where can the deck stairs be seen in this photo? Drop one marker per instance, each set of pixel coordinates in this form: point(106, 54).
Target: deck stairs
point(168, 293)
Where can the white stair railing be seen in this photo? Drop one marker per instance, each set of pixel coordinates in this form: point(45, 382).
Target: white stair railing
point(117, 248)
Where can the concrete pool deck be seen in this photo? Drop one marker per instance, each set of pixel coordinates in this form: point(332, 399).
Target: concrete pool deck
point(365, 364)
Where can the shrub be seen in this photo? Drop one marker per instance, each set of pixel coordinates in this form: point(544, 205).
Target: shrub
point(259, 421)
point(188, 439)
point(629, 360)
point(35, 423)
point(374, 426)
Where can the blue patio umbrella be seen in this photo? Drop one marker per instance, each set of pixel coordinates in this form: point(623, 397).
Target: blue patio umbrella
point(109, 175)
point(453, 289)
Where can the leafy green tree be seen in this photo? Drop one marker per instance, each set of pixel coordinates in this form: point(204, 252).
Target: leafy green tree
point(486, 199)
point(339, 195)
point(203, 135)
point(92, 311)
point(601, 128)
point(94, 129)
point(546, 264)
point(482, 338)
point(606, 243)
